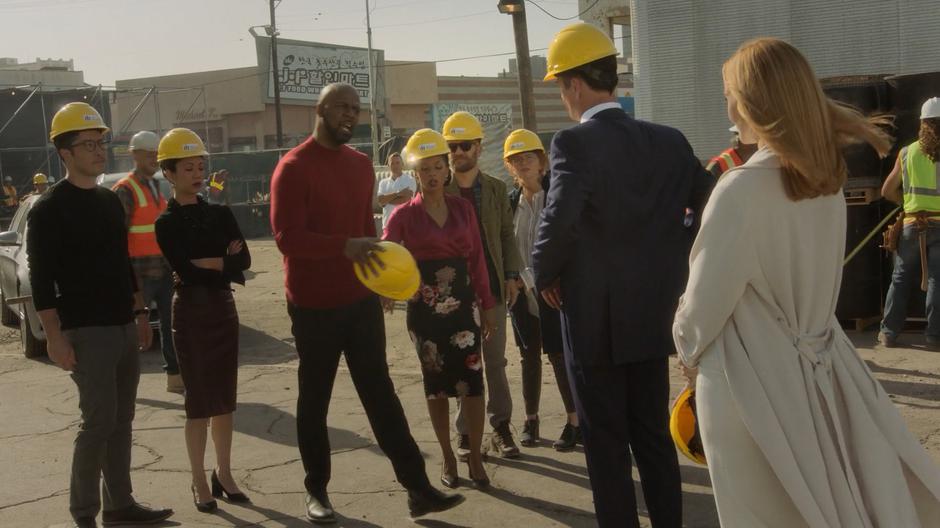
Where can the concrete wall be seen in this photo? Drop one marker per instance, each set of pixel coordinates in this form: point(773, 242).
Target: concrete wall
point(680, 45)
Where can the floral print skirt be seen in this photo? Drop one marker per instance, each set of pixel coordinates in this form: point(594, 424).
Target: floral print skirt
point(444, 324)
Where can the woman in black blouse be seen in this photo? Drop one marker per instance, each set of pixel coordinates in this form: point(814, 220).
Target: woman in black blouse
point(207, 252)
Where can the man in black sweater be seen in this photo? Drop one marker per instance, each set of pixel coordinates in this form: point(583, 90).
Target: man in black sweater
point(86, 296)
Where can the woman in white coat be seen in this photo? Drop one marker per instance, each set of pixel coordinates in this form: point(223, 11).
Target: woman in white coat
point(796, 430)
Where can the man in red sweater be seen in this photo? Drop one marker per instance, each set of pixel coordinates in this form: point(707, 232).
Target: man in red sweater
point(321, 215)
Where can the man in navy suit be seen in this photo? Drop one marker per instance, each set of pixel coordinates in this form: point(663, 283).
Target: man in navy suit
point(612, 254)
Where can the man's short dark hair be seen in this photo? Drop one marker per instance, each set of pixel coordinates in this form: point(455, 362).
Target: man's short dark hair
point(600, 75)
point(393, 155)
point(65, 140)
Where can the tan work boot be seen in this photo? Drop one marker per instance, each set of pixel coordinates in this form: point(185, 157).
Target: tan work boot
point(174, 383)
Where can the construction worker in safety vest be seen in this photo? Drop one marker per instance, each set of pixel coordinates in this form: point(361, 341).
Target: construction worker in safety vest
point(216, 187)
point(9, 193)
point(915, 183)
point(743, 146)
point(40, 184)
point(143, 202)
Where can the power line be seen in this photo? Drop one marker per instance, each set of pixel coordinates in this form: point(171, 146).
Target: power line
point(588, 8)
point(403, 24)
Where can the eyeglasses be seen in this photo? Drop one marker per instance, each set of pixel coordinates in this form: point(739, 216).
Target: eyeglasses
point(90, 145)
point(463, 145)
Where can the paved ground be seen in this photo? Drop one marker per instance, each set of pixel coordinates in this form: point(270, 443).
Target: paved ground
point(38, 413)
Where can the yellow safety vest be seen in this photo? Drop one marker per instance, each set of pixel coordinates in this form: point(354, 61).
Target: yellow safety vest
point(920, 178)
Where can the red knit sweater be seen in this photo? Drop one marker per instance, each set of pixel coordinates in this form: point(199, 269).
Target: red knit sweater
point(320, 198)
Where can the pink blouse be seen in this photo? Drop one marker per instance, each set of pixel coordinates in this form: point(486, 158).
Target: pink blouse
point(412, 226)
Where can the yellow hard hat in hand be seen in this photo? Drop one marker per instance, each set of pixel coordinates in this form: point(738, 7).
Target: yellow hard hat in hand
point(399, 279)
point(683, 425)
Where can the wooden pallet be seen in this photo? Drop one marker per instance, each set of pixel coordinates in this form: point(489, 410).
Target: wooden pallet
point(862, 196)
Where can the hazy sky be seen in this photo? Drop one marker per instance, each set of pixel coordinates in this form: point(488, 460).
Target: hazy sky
point(124, 39)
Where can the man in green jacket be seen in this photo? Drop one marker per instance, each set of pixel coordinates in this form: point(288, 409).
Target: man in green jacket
point(490, 199)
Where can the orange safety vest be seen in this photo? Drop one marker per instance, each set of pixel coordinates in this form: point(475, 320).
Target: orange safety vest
point(141, 236)
point(10, 199)
point(726, 161)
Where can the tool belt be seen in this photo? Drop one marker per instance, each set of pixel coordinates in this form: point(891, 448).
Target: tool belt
point(921, 221)
point(892, 234)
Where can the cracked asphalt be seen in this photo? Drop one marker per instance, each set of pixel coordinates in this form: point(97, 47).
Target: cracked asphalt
point(39, 417)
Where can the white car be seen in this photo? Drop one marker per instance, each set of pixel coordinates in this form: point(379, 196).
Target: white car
point(16, 300)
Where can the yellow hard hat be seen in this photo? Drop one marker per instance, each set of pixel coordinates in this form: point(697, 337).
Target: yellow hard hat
point(462, 126)
point(577, 45)
point(180, 143)
point(400, 278)
point(425, 143)
point(74, 117)
point(683, 426)
point(40, 178)
point(521, 140)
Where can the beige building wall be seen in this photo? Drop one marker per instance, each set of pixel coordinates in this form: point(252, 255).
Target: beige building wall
point(408, 83)
point(406, 118)
point(52, 79)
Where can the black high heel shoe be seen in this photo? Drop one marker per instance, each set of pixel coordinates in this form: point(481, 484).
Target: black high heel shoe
point(218, 491)
point(204, 507)
point(478, 483)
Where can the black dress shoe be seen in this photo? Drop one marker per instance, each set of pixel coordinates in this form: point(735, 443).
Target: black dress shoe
point(218, 491)
point(135, 514)
point(85, 522)
point(429, 500)
point(319, 509)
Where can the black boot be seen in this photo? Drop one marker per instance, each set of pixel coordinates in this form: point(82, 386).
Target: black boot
point(570, 436)
point(530, 433)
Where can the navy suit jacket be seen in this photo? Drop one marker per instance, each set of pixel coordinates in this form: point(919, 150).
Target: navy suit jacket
point(613, 231)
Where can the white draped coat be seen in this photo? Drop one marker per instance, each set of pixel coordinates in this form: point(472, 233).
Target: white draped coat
point(796, 429)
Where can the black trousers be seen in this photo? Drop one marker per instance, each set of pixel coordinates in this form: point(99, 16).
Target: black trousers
point(358, 330)
point(624, 408)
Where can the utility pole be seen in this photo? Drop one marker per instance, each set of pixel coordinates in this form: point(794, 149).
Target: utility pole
point(275, 70)
point(516, 8)
point(373, 111)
